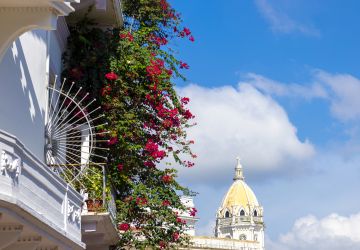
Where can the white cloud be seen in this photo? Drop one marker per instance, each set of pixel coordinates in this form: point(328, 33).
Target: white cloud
point(344, 94)
point(341, 90)
point(282, 23)
point(272, 87)
point(241, 121)
point(333, 232)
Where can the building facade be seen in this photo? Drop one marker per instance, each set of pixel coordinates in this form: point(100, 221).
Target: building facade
point(38, 209)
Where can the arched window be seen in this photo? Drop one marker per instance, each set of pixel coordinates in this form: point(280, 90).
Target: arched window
point(242, 237)
point(227, 214)
point(255, 213)
point(242, 212)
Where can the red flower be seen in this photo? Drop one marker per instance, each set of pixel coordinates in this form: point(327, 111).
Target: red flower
point(179, 220)
point(164, 5)
point(105, 90)
point(166, 203)
point(111, 76)
point(127, 36)
point(184, 65)
point(187, 114)
point(169, 72)
point(193, 212)
point(120, 167)
point(162, 244)
point(141, 201)
point(113, 141)
point(176, 236)
point(187, 31)
point(151, 146)
point(124, 227)
point(166, 178)
point(185, 100)
point(149, 164)
point(192, 39)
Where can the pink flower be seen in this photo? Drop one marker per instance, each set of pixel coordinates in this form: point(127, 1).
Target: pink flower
point(187, 31)
point(120, 167)
point(113, 141)
point(111, 76)
point(124, 227)
point(193, 212)
point(192, 39)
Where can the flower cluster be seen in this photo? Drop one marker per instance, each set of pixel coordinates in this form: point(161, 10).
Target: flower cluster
point(153, 150)
point(158, 40)
point(124, 227)
point(167, 179)
point(111, 76)
point(127, 36)
point(193, 212)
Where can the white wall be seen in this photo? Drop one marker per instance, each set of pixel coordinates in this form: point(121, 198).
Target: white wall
point(23, 94)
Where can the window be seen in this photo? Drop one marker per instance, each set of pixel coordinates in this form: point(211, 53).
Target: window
point(255, 213)
point(227, 214)
point(242, 212)
point(242, 237)
point(255, 237)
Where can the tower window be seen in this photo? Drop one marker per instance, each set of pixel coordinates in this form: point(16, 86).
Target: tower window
point(227, 214)
point(242, 213)
point(255, 213)
point(242, 237)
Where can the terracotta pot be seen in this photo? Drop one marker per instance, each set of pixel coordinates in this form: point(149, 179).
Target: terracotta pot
point(94, 205)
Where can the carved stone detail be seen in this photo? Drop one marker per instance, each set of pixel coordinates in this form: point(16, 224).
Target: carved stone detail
point(73, 214)
point(10, 164)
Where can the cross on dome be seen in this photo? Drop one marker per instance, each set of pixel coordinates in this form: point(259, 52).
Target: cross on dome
point(238, 171)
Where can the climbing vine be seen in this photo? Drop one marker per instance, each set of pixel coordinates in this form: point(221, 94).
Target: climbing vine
point(131, 72)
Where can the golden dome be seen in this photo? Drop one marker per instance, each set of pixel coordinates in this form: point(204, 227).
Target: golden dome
point(239, 195)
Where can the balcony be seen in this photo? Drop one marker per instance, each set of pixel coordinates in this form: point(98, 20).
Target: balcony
point(99, 230)
point(37, 208)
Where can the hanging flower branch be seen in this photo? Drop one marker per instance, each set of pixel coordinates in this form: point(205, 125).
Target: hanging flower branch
point(131, 72)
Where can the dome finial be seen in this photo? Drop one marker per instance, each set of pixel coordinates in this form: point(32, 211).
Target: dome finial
point(238, 170)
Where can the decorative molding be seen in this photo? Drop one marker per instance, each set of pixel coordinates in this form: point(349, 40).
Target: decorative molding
point(10, 164)
point(73, 214)
point(10, 228)
point(23, 16)
point(28, 239)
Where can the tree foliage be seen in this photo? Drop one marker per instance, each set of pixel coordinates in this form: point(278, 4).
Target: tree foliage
point(131, 71)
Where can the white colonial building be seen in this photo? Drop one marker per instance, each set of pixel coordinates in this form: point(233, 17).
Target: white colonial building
point(240, 216)
point(38, 209)
point(239, 220)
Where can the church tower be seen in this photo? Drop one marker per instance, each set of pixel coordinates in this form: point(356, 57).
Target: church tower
point(240, 216)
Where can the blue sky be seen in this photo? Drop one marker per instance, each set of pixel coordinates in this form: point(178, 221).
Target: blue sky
point(283, 78)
